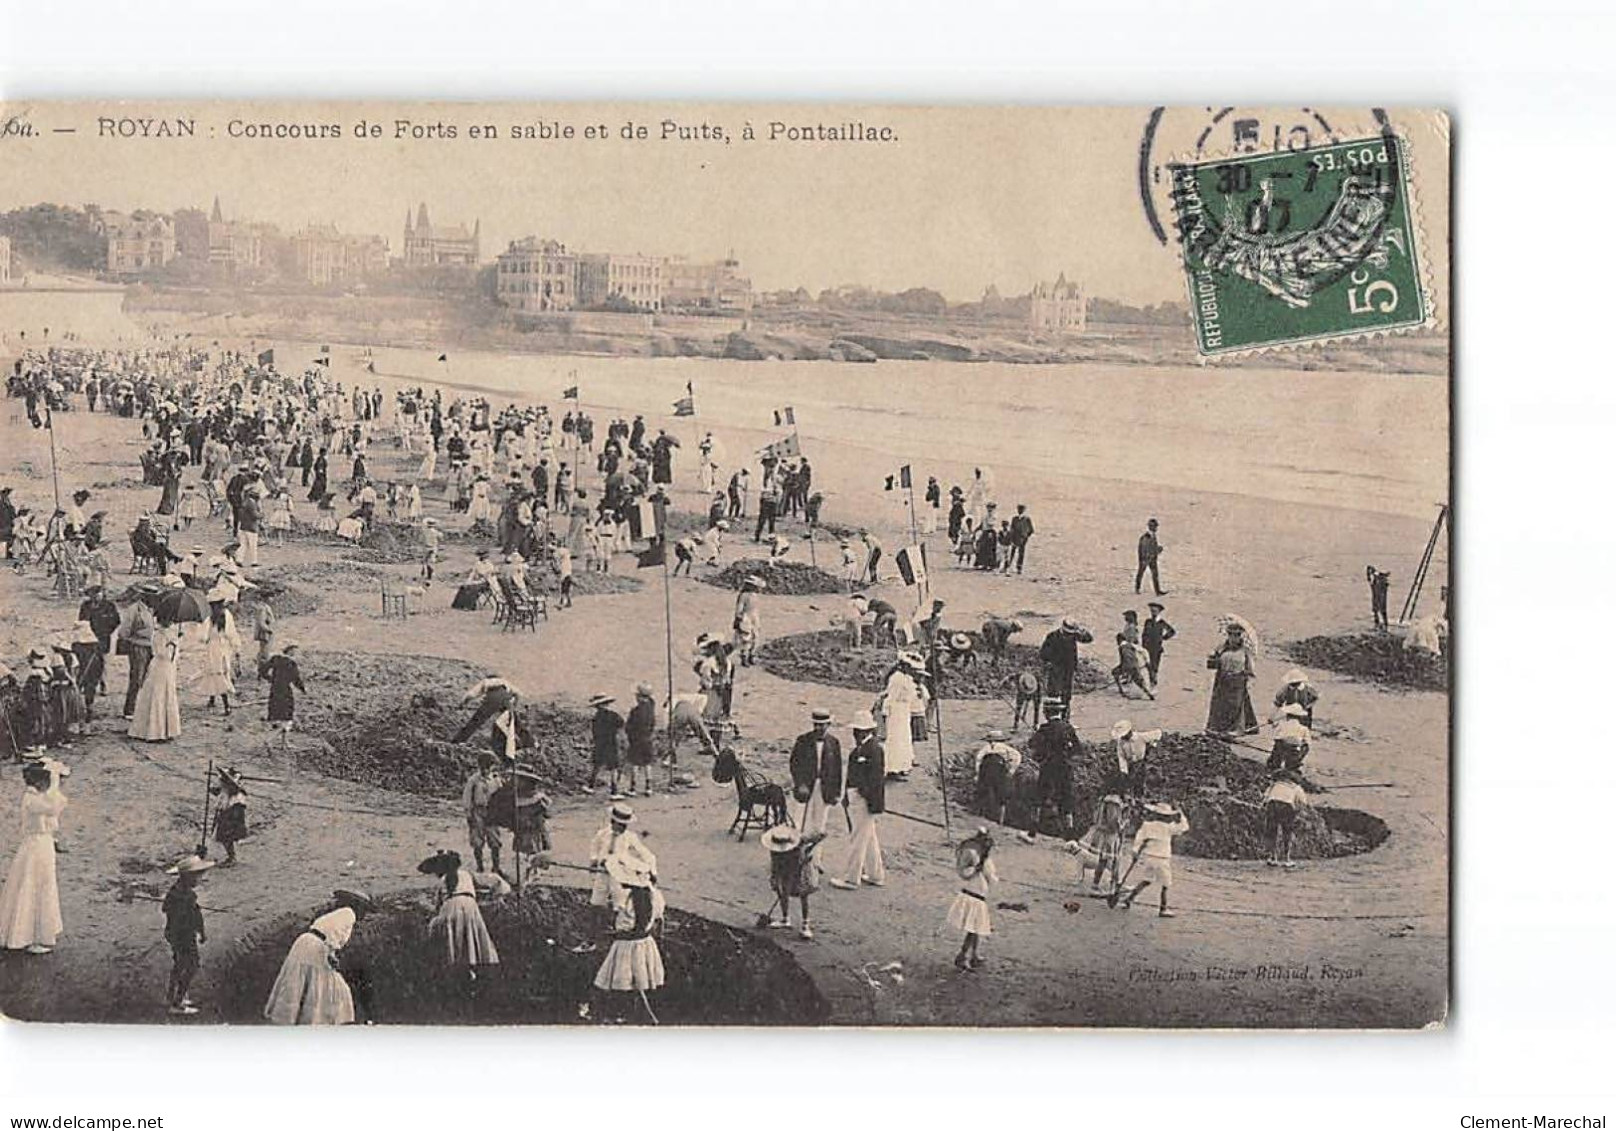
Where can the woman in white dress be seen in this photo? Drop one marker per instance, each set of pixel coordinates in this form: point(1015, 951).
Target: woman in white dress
point(412, 503)
point(429, 463)
point(310, 989)
point(218, 654)
point(157, 707)
point(480, 510)
point(30, 910)
point(634, 962)
point(458, 929)
point(899, 703)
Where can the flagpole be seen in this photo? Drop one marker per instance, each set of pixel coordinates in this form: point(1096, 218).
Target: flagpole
point(667, 612)
point(50, 426)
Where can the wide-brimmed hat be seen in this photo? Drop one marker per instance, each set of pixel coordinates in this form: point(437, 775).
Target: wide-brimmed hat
point(781, 838)
point(602, 700)
point(968, 859)
point(959, 641)
point(627, 874)
point(440, 863)
point(822, 715)
point(915, 659)
point(643, 691)
point(621, 812)
point(358, 900)
point(1293, 710)
point(755, 581)
point(232, 778)
point(863, 720)
point(191, 864)
point(721, 524)
point(1122, 728)
point(38, 653)
point(996, 735)
point(1160, 809)
point(1296, 675)
point(1070, 624)
point(1156, 607)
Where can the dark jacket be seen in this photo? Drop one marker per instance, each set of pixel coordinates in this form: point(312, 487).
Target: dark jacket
point(867, 773)
point(1154, 633)
point(1149, 548)
point(828, 767)
point(1020, 529)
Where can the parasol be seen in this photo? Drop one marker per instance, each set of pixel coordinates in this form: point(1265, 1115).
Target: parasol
point(1252, 640)
point(180, 605)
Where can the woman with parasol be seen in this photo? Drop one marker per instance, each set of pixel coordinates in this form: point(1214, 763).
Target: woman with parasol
point(1232, 661)
point(157, 706)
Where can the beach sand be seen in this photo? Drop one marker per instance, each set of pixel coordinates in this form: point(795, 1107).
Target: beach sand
point(1371, 931)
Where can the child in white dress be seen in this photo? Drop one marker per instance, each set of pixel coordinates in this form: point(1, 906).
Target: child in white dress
point(969, 911)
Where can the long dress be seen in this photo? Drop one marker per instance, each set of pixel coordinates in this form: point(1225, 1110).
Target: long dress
point(480, 509)
point(157, 707)
point(218, 663)
point(901, 702)
point(30, 910)
point(309, 990)
point(1231, 711)
point(458, 928)
point(282, 673)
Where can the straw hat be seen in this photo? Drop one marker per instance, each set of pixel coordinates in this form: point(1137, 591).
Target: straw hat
point(822, 715)
point(1293, 710)
point(960, 642)
point(1296, 675)
point(915, 659)
point(1122, 728)
point(863, 720)
point(755, 581)
point(1070, 624)
point(643, 691)
point(231, 778)
point(781, 838)
point(621, 812)
point(602, 700)
point(996, 735)
point(358, 900)
point(1160, 809)
point(191, 864)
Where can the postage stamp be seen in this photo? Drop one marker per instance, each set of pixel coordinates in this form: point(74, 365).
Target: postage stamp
point(1291, 247)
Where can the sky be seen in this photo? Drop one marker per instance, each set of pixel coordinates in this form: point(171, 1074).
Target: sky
point(962, 198)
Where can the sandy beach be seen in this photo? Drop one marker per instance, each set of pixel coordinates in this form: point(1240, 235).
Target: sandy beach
point(1274, 489)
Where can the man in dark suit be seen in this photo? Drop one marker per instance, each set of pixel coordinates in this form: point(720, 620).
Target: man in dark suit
point(1154, 634)
point(1150, 549)
point(1020, 534)
point(864, 802)
point(816, 773)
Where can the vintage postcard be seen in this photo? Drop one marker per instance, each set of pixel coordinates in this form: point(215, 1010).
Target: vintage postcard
point(766, 565)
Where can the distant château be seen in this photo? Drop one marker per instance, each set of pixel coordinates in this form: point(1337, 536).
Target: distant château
point(428, 246)
point(539, 275)
point(1059, 307)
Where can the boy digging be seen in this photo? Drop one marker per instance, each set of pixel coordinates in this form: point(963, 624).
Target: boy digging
point(1153, 854)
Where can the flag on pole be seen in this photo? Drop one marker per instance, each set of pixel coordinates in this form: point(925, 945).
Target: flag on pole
point(912, 565)
point(785, 448)
point(570, 393)
point(325, 361)
point(686, 405)
point(904, 479)
point(443, 357)
point(647, 518)
point(785, 417)
point(267, 357)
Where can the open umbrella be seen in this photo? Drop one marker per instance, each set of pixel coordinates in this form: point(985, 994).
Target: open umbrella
point(181, 605)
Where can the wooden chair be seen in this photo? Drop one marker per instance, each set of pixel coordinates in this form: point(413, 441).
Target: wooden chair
point(522, 611)
point(758, 801)
point(147, 562)
point(496, 597)
point(395, 601)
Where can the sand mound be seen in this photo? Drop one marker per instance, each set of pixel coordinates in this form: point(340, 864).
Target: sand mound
point(1375, 656)
point(286, 600)
point(587, 583)
point(716, 975)
point(785, 578)
point(387, 721)
point(1219, 791)
point(824, 657)
point(388, 543)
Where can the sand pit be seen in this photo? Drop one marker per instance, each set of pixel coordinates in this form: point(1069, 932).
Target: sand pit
point(387, 721)
point(716, 975)
point(824, 657)
point(785, 578)
point(1219, 791)
point(586, 583)
point(1380, 657)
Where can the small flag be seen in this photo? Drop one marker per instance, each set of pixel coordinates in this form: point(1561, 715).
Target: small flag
point(903, 479)
point(912, 565)
point(325, 361)
point(785, 417)
point(267, 357)
point(443, 357)
point(684, 406)
point(570, 393)
point(787, 447)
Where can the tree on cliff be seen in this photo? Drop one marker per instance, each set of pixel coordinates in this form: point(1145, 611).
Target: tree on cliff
point(51, 236)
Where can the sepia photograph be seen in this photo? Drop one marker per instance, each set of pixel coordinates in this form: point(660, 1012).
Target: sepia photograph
point(615, 564)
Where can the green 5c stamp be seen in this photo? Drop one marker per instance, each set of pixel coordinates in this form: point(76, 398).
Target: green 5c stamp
point(1299, 246)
